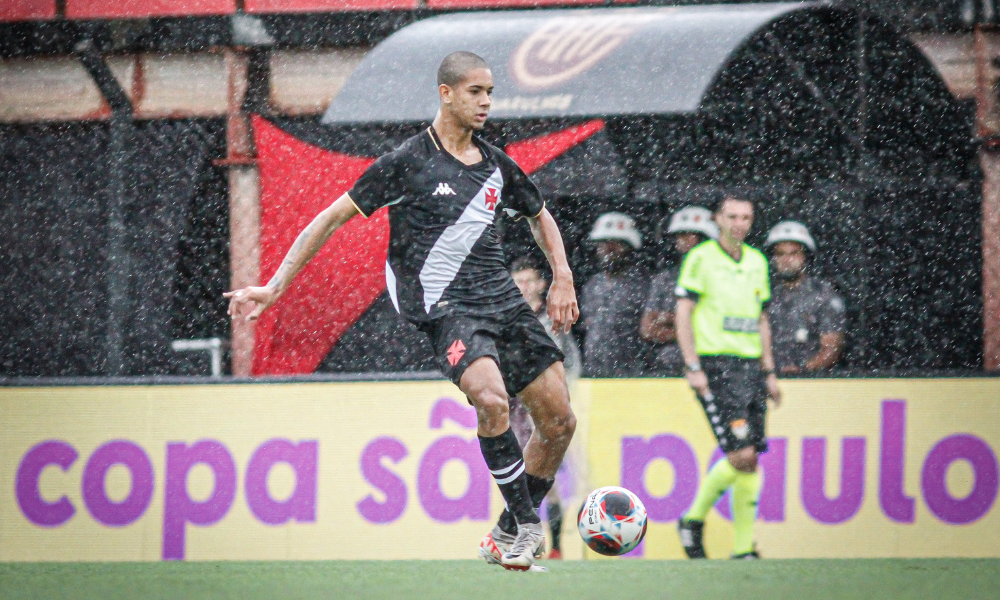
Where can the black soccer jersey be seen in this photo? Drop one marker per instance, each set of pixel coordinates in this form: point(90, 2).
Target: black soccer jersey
point(444, 253)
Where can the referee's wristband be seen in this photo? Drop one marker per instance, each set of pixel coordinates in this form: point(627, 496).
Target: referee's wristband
point(767, 372)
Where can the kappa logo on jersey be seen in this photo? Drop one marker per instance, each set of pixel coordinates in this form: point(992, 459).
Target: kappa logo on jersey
point(491, 198)
point(455, 352)
point(443, 189)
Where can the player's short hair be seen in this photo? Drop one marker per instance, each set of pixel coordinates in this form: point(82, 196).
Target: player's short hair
point(455, 66)
point(523, 263)
point(719, 198)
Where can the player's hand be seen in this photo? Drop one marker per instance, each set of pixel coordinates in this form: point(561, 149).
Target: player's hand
point(773, 390)
point(790, 369)
point(561, 305)
point(254, 299)
point(698, 382)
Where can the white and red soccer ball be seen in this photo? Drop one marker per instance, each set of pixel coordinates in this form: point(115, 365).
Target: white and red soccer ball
point(612, 521)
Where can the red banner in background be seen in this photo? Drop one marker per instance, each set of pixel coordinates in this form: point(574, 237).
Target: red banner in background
point(140, 9)
point(534, 153)
point(26, 10)
point(301, 6)
point(510, 3)
point(297, 182)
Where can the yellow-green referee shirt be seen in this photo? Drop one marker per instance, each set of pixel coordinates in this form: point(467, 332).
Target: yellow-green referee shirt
point(730, 297)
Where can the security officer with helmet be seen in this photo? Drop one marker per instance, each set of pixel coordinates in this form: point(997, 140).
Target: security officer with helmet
point(611, 302)
point(807, 314)
point(689, 227)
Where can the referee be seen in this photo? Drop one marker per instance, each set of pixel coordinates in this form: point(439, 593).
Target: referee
point(725, 337)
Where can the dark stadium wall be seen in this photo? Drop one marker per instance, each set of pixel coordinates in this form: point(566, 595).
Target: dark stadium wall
point(54, 240)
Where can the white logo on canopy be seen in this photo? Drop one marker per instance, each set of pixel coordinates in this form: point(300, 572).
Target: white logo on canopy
point(563, 47)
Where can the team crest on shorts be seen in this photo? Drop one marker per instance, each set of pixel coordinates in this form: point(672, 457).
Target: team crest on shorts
point(740, 428)
point(455, 352)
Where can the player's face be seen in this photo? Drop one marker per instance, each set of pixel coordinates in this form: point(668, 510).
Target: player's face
point(735, 218)
point(469, 101)
point(532, 286)
point(612, 254)
point(684, 241)
point(788, 259)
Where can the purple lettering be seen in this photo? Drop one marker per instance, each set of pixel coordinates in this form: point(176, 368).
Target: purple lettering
point(475, 502)
point(637, 453)
point(771, 505)
point(301, 505)
point(33, 506)
point(773, 463)
point(891, 490)
point(979, 455)
point(178, 508)
point(384, 480)
point(447, 408)
point(852, 480)
point(95, 498)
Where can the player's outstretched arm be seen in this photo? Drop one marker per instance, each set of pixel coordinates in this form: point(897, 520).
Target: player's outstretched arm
point(259, 298)
point(561, 301)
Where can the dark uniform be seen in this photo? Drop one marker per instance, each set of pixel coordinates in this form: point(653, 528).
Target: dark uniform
point(445, 270)
point(799, 316)
point(663, 298)
point(610, 309)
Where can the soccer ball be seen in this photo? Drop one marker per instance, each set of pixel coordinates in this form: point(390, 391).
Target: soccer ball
point(612, 521)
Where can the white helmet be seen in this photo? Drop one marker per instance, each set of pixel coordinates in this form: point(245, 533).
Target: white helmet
point(694, 219)
point(616, 226)
point(790, 231)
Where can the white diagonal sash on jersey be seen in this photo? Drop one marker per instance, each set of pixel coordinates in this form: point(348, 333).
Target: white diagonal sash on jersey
point(390, 284)
point(453, 247)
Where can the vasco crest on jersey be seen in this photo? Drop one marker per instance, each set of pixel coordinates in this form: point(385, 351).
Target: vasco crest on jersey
point(492, 198)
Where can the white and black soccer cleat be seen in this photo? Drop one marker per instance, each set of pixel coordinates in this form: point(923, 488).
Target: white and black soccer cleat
point(529, 541)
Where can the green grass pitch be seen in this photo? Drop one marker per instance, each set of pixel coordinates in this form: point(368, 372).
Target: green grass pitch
point(967, 579)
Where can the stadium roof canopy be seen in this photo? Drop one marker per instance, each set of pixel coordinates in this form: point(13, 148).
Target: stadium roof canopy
point(560, 63)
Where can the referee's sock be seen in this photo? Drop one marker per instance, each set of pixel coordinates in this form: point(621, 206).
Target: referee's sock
point(718, 480)
point(746, 490)
point(505, 461)
point(538, 488)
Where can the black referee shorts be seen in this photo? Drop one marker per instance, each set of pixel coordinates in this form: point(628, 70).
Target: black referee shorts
point(737, 408)
point(514, 338)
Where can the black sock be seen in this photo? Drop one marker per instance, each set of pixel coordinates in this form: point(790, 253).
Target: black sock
point(538, 488)
point(555, 523)
point(506, 463)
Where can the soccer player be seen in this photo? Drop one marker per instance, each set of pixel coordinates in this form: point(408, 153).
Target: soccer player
point(445, 273)
point(724, 334)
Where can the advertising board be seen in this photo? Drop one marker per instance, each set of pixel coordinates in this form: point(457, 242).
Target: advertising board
point(856, 468)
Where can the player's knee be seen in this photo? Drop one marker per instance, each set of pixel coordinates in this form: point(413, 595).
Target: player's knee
point(744, 459)
point(491, 409)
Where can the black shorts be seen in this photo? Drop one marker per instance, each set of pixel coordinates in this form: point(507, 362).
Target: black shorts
point(737, 409)
point(514, 338)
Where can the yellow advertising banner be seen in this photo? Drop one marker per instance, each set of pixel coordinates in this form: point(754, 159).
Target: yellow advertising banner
point(855, 467)
point(306, 471)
